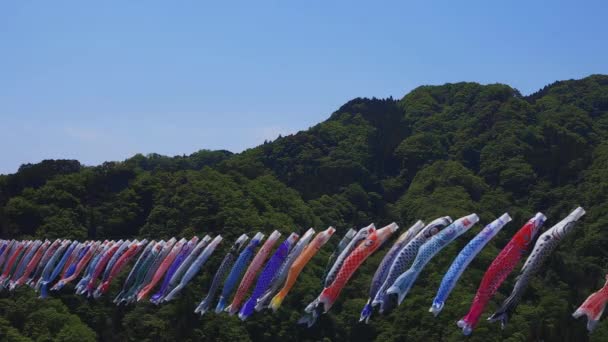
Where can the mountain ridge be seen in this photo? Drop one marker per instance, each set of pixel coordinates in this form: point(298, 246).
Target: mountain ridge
point(439, 150)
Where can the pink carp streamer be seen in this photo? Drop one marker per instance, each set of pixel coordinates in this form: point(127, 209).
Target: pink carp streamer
point(6, 273)
point(100, 266)
point(129, 254)
point(160, 272)
point(251, 273)
point(32, 264)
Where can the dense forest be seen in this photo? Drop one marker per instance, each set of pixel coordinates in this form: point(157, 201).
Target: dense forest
point(440, 150)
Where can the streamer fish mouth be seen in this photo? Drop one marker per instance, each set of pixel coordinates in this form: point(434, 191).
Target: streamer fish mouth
point(308, 234)
point(293, 237)
point(350, 233)
point(274, 236)
point(577, 213)
point(328, 233)
point(242, 239)
point(569, 222)
point(258, 236)
point(215, 241)
point(369, 229)
point(506, 218)
point(539, 219)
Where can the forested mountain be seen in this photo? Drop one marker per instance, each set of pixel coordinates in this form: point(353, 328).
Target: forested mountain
point(440, 150)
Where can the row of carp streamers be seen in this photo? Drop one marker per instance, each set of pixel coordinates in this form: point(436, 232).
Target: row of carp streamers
point(168, 266)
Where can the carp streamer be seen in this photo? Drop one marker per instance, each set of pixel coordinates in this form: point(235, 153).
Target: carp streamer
point(405, 257)
point(298, 266)
point(593, 307)
point(499, 269)
point(383, 268)
point(464, 258)
point(546, 243)
point(329, 294)
point(427, 251)
point(256, 274)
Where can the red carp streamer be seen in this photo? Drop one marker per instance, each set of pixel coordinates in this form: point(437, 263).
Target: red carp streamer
point(594, 306)
point(500, 268)
point(329, 294)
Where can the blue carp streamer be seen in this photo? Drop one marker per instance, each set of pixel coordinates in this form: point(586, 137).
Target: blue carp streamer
point(385, 264)
point(464, 258)
point(227, 262)
point(427, 251)
point(404, 258)
point(237, 271)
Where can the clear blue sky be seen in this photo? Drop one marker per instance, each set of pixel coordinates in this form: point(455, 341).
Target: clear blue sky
point(105, 81)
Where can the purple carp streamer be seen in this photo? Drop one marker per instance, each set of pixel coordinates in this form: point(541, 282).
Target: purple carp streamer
point(4, 248)
point(281, 275)
point(251, 272)
point(162, 268)
point(183, 267)
point(16, 261)
point(194, 268)
point(185, 250)
point(24, 263)
point(267, 274)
